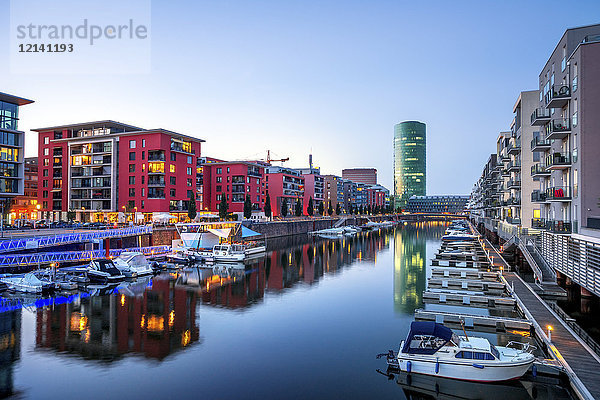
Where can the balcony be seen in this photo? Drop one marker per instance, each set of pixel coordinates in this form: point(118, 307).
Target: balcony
point(558, 193)
point(539, 144)
point(559, 226)
point(513, 221)
point(514, 184)
point(514, 166)
point(539, 170)
point(504, 155)
point(538, 223)
point(514, 148)
point(538, 196)
point(505, 172)
point(558, 161)
point(558, 96)
point(540, 116)
point(558, 128)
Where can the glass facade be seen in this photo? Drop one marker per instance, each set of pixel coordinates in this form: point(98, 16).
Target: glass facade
point(409, 161)
point(9, 115)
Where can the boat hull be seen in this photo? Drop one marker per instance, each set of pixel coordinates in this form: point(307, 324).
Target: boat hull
point(474, 371)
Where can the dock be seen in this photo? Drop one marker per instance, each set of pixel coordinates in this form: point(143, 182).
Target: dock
point(577, 358)
point(472, 320)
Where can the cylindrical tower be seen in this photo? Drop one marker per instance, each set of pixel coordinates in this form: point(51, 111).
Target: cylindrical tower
point(409, 161)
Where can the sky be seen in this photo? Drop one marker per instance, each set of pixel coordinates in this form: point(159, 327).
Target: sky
point(326, 77)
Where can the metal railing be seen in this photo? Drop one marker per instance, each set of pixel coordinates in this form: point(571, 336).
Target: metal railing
point(583, 335)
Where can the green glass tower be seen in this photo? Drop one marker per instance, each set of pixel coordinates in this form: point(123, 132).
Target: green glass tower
point(409, 161)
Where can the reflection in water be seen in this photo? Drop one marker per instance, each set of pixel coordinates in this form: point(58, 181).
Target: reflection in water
point(156, 322)
point(10, 348)
point(410, 263)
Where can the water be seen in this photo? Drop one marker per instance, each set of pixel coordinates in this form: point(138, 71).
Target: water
point(305, 322)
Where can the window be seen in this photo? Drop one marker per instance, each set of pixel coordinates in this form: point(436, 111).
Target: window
point(219, 188)
point(172, 168)
point(45, 172)
point(132, 180)
point(45, 183)
point(143, 155)
point(131, 204)
point(143, 204)
point(45, 193)
point(173, 156)
point(132, 144)
point(173, 180)
point(46, 139)
point(189, 170)
point(227, 169)
point(143, 192)
point(144, 143)
point(189, 159)
point(189, 182)
point(464, 354)
point(131, 156)
point(45, 204)
point(219, 179)
point(46, 162)
point(189, 194)
point(46, 151)
point(131, 167)
point(131, 192)
point(172, 191)
point(219, 170)
point(143, 179)
point(219, 196)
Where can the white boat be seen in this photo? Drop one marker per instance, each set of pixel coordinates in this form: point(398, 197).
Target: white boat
point(104, 271)
point(458, 236)
point(229, 253)
point(132, 264)
point(27, 283)
point(456, 253)
point(433, 349)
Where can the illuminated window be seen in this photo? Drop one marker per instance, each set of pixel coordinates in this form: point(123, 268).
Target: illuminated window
point(156, 167)
point(172, 168)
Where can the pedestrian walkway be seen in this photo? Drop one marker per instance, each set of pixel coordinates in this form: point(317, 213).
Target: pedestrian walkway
point(567, 347)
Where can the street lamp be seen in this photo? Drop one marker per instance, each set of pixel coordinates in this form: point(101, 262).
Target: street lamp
point(124, 213)
point(135, 216)
point(83, 214)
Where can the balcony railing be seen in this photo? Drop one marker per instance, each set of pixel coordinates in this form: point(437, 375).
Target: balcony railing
point(558, 96)
point(514, 165)
point(558, 161)
point(540, 116)
point(513, 221)
point(539, 170)
point(558, 193)
point(514, 148)
point(539, 144)
point(514, 184)
point(559, 226)
point(538, 223)
point(558, 128)
point(538, 196)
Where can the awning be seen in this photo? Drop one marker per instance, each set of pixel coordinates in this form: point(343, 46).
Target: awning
point(212, 216)
point(247, 232)
point(222, 233)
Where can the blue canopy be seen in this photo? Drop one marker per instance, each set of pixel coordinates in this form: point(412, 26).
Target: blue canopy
point(426, 328)
point(247, 232)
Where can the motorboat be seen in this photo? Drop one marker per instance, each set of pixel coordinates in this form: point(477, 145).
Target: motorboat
point(459, 236)
point(433, 349)
point(104, 271)
point(132, 264)
point(27, 283)
point(456, 253)
point(229, 253)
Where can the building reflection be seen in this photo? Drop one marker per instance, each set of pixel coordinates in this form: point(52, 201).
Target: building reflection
point(10, 349)
point(410, 263)
point(152, 317)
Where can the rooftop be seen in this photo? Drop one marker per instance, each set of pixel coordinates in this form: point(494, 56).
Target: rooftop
point(107, 123)
point(9, 98)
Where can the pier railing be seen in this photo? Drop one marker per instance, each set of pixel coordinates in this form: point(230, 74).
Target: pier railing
point(576, 328)
point(31, 243)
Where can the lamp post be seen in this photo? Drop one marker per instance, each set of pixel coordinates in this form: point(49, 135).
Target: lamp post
point(549, 327)
point(83, 214)
point(135, 215)
point(125, 213)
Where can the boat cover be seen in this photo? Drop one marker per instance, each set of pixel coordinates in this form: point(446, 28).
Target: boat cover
point(428, 328)
point(222, 233)
point(247, 232)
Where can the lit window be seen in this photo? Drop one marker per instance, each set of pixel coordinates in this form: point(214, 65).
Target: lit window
point(172, 168)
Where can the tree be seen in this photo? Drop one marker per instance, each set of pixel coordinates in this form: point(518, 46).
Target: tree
point(376, 209)
point(337, 209)
point(267, 209)
point(329, 208)
point(284, 208)
point(192, 207)
point(71, 215)
point(298, 210)
point(360, 210)
point(310, 207)
point(369, 209)
point(321, 208)
point(247, 207)
point(223, 207)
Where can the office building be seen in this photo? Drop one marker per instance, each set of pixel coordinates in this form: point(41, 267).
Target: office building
point(25, 207)
point(368, 176)
point(409, 161)
point(109, 171)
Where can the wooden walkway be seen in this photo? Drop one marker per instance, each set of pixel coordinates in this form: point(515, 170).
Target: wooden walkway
point(582, 362)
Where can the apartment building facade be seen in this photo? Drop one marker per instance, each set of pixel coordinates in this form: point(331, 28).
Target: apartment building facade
point(284, 183)
point(25, 207)
point(334, 191)
point(569, 98)
point(12, 146)
point(106, 171)
point(368, 176)
point(314, 186)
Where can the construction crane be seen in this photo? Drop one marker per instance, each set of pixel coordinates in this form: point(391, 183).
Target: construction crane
point(269, 160)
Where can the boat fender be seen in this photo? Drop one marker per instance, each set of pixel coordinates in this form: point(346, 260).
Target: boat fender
point(478, 366)
point(534, 370)
point(437, 366)
point(408, 366)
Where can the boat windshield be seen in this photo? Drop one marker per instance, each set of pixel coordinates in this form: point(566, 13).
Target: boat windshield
point(107, 266)
point(495, 351)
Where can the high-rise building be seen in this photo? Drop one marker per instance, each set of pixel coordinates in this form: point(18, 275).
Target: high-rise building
point(368, 176)
point(409, 161)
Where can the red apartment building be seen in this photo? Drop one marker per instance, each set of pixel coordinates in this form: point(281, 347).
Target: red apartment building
point(235, 180)
point(375, 197)
point(313, 188)
point(284, 183)
point(107, 170)
point(25, 207)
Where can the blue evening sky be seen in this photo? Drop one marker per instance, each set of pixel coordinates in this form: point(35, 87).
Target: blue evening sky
point(331, 77)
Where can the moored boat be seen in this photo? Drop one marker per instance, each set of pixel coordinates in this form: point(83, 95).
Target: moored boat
point(104, 271)
point(132, 264)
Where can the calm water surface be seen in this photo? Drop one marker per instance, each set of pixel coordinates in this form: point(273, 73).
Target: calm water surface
point(305, 322)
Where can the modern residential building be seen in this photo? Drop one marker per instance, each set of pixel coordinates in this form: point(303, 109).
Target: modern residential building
point(108, 171)
point(569, 98)
point(334, 191)
point(12, 144)
point(368, 176)
point(351, 195)
point(314, 186)
point(409, 161)
point(235, 180)
point(437, 204)
point(284, 183)
point(25, 207)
